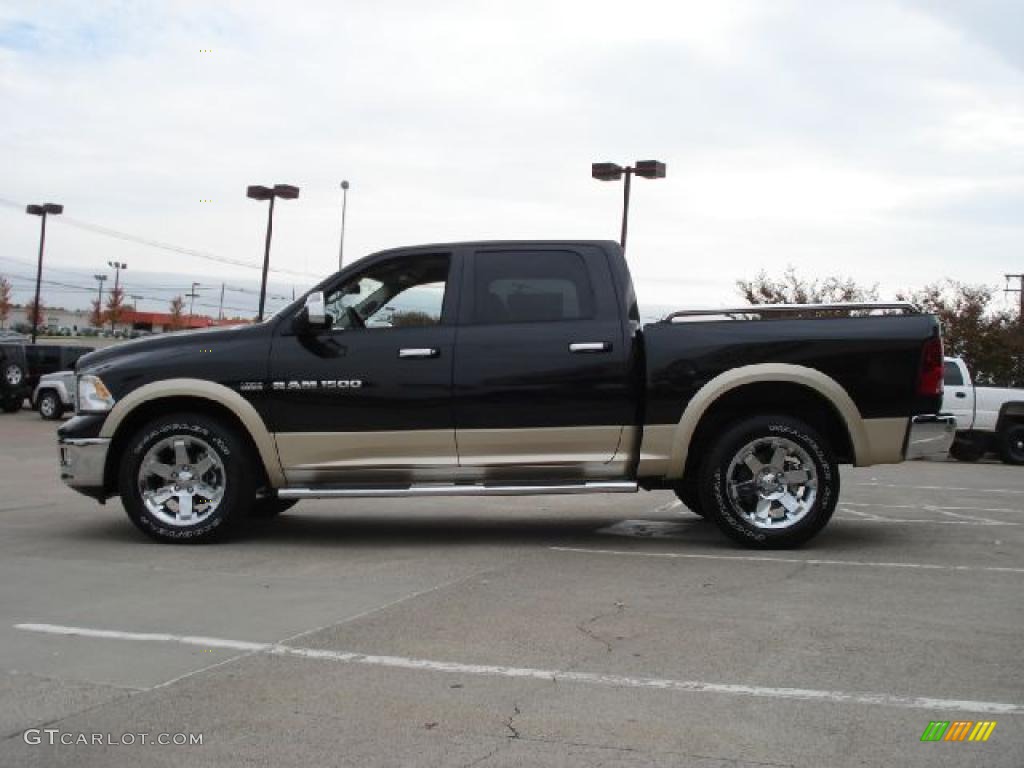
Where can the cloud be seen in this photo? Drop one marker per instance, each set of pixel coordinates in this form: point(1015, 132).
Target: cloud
point(879, 139)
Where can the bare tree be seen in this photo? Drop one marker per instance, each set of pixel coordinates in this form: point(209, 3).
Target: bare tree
point(177, 310)
point(5, 300)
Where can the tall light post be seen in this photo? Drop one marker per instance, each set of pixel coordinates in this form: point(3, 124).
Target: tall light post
point(256, 192)
point(344, 206)
point(42, 211)
point(648, 169)
point(99, 300)
point(117, 266)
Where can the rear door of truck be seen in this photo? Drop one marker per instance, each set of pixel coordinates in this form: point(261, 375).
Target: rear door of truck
point(542, 375)
point(958, 393)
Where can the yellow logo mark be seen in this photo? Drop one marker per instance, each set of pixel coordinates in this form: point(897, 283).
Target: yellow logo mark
point(982, 730)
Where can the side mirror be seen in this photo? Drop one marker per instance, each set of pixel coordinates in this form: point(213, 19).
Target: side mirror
point(316, 314)
point(313, 315)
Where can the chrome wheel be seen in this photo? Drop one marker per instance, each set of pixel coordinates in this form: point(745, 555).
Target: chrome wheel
point(772, 482)
point(13, 375)
point(48, 406)
point(181, 480)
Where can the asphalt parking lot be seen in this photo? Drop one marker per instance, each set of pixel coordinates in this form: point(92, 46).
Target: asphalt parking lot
point(601, 630)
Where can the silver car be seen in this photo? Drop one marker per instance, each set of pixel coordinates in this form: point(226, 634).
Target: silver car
point(54, 394)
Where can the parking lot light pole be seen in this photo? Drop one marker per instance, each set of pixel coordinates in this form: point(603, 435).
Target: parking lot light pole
point(344, 206)
point(41, 211)
point(648, 169)
point(257, 192)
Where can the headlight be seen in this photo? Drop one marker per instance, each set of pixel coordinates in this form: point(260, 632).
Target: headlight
point(93, 395)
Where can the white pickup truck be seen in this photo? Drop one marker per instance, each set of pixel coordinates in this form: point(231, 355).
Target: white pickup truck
point(987, 418)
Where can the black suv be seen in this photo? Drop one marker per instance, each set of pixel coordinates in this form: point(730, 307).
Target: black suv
point(50, 358)
point(14, 386)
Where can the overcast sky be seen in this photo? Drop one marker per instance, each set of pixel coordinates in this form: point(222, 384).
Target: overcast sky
point(882, 140)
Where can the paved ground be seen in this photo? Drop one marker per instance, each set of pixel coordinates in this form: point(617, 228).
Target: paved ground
point(618, 630)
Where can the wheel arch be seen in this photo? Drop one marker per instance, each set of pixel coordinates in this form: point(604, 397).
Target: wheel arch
point(770, 387)
point(196, 395)
point(1010, 413)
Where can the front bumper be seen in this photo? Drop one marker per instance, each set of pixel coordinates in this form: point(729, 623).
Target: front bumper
point(83, 461)
point(930, 436)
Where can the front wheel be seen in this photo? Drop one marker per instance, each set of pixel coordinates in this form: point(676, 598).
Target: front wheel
point(770, 482)
point(186, 478)
point(1011, 444)
point(966, 450)
point(50, 406)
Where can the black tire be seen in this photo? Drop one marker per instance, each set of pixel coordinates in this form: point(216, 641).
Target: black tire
point(1011, 444)
point(732, 495)
point(50, 406)
point(966, 450)
point(13, 375)
point(12, 404)
point(202, 437)
point(270, 506)
point(688, 493)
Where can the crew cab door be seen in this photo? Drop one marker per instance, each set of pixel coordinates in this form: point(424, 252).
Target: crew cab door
point(958, 393)
point(368, 400)
point(542, 384)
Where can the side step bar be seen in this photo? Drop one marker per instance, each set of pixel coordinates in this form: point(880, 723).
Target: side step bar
point(457, 490)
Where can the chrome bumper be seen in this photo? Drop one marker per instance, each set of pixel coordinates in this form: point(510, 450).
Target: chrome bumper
point(82, 462)
point(931, 436)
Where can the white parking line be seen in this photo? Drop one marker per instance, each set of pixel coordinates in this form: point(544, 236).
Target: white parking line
point(930, 506)
point(800, 560)
point(939, 488)
point(547, 675)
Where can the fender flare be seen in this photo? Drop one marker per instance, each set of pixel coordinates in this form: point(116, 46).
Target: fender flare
point(203, 390)
point(762, 373)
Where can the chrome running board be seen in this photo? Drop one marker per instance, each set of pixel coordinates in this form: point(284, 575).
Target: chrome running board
point(328, 492)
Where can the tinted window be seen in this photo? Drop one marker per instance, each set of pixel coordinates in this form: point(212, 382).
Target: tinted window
point(400, 292)
point(531, 287)
point(951, 375)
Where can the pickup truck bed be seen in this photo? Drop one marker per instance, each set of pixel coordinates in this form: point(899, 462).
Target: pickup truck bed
point(491, 368)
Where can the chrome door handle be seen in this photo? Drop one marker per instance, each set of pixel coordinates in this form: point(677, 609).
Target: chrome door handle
point(419, 352)
point(590, 346)
point(961, 394)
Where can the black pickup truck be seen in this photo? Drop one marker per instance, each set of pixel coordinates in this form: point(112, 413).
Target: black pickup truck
point(506, 368)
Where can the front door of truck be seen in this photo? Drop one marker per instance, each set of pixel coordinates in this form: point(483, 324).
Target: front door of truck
point(368, 400)
point(541, 371)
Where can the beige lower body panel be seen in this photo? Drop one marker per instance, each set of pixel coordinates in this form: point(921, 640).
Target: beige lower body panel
point(541, 445)
point(886, 439)
point(546, 454)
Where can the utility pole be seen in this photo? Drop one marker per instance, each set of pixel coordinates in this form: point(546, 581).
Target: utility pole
point(191, 300)
point(99, 299)
point(220, 309)
point(1019, 290)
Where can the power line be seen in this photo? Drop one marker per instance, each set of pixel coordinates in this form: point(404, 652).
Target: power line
point(151, 243)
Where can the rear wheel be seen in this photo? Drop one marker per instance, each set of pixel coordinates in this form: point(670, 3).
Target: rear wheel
point(770, 482)
point(1011, 444)
point(50, 406)
point(186, 478)
point(966, 450)
point(14, 375)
